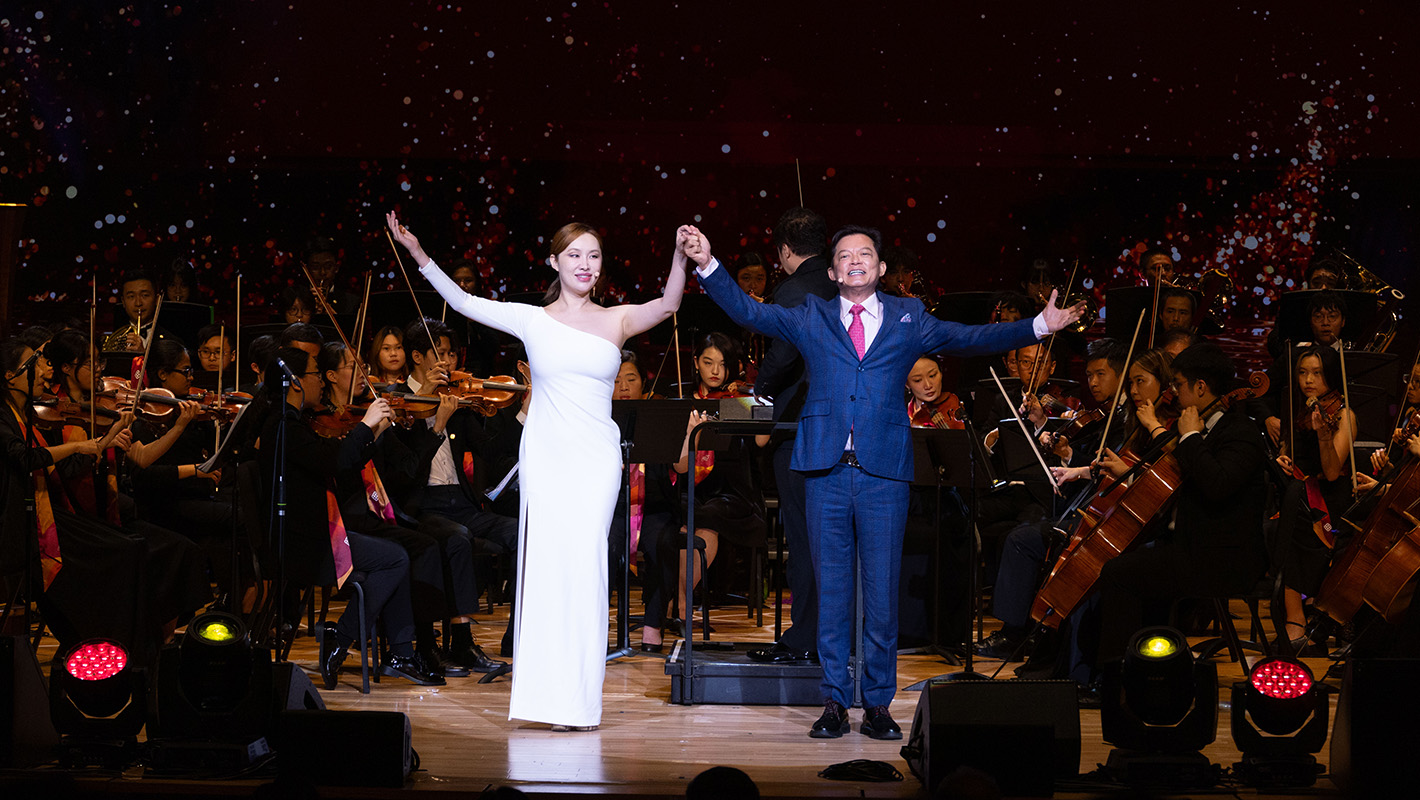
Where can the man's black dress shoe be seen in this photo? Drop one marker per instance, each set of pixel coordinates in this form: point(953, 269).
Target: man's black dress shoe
point(438, 664)
point(781, 654)
point(471, 657)
point(878, 724)
point(332, 656)
point(833, 724)
point(1000, 645)
point(411, 669)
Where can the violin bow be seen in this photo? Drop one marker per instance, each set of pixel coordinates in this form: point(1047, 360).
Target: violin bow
point(799, 176)
point(1119, 389)
point(1154, 320)
point(1030, 437)
point(1062, 300)
point(140, 380)
point(237, 336)
point(360, 330)
point(334, 323)
point(412, 296)
point(93, 354)
point(1346, 404)
point(1291, 402)
point(675, 339)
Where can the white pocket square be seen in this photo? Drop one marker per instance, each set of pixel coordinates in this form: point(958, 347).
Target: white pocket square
point(906, 318)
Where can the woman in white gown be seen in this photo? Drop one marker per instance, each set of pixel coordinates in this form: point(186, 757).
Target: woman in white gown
point(569, 469)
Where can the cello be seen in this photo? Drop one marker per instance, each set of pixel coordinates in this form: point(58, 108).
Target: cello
point(1139, 503)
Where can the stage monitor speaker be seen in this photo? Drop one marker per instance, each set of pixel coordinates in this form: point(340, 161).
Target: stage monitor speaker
point(1025, 734)
point(27, 736)
point(1375, 735)
point(344, 748)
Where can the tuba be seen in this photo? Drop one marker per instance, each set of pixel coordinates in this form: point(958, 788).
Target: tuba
point(1382, 329)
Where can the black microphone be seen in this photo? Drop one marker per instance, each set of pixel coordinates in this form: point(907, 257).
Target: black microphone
point(295, 383)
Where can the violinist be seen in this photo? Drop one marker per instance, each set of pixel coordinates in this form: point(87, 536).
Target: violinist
point(169, 485)
point(1317, 453)
point(1154, 411)
point(450, 474)
point(311, 464)
point(139, 296)
point(386, 357)
point(261, 350)
point(1176, 340)
point(1326, 314)
point(927, 405)
point(302, 336)
point(295, 305)
point(96, 579)
point(717, 367)
point(1216, 546)
point(441, 575)
point(96, 492)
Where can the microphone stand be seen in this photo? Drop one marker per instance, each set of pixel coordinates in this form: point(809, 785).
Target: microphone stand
point(278, 501)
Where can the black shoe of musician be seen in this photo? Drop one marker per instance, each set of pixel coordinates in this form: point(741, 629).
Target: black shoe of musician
point(471, 657)
point(437, 664)
point(505, 647)
point(1089, 696)
point(1001, 645)
point(878, 724)
point(780, 653)
point(332, 656)
point(411, 669)
point(833, 724)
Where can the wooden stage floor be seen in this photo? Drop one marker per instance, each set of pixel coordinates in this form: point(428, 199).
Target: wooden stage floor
point(648, 748)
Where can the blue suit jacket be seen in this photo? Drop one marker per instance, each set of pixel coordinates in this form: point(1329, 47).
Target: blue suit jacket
point(865, 396)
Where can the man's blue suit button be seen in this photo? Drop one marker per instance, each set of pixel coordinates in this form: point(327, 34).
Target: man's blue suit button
point(852, 397)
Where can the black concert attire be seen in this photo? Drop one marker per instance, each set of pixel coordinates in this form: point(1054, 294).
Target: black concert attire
point(190, 506)
point(312, 463)
point(782, 376)
point(447, 477)
point(1216, 547)
point(114, 584)
point(1303, 557)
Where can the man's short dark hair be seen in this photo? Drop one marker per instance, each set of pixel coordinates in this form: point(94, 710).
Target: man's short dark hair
point(1108, 350)
point(1206, 362)
point(857, 230)
point(1323, 264)
point(301, 332)
point(210, 331)
point(900, 259)
point(1173, 336)
point(137, 274)
point(802, 231)
point(1326, 300)
point(416, 339)
point(1014, 301)
point(1149, 254)
point(319, 244)
point(261, 349)
point(1172, 292)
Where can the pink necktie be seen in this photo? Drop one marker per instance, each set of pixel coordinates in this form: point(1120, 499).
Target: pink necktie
point(855, 331)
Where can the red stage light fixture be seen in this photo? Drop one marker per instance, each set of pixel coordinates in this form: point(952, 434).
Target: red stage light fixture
point(97, 700)
point(1279, 718)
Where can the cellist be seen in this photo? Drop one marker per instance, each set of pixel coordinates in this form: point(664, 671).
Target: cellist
point(1216, 546)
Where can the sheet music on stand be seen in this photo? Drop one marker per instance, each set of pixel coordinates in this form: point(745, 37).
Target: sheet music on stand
point(223, 450)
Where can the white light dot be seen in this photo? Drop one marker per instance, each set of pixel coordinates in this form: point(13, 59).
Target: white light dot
point(931, 237)
point(724, 148)
point(188, 224)
point(941, 223)
point(71, 192)
point(172, 229)
point(493, 209)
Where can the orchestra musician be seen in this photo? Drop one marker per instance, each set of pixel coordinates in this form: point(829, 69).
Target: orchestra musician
point(1317, 453)
point(315, 550)
point(385, 361)
point(1216, 546)
point(139, 295)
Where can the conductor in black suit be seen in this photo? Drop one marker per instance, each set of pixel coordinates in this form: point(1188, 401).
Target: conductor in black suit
point(799, 239)
point(1216, 547)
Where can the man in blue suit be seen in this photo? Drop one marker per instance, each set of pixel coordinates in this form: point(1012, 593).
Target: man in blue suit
point(854, 446)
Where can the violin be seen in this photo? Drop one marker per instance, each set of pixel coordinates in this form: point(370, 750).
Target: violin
point(1079, 425)
point(947, 413)
point(160, 406)
point(1331, 405)
point(486, 394)
point(52, 412)
point(729, 390)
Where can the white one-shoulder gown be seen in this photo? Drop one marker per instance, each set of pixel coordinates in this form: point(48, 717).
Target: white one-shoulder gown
point(569, 473)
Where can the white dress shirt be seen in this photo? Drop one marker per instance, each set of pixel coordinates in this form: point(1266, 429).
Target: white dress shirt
point(442, 472)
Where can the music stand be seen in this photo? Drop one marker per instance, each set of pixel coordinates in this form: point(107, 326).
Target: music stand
point(1293, 322)
point(968, 308)
point(959, 459)
point(651, 433)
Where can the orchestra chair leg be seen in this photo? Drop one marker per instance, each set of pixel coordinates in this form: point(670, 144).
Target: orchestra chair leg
point(1228, 638)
